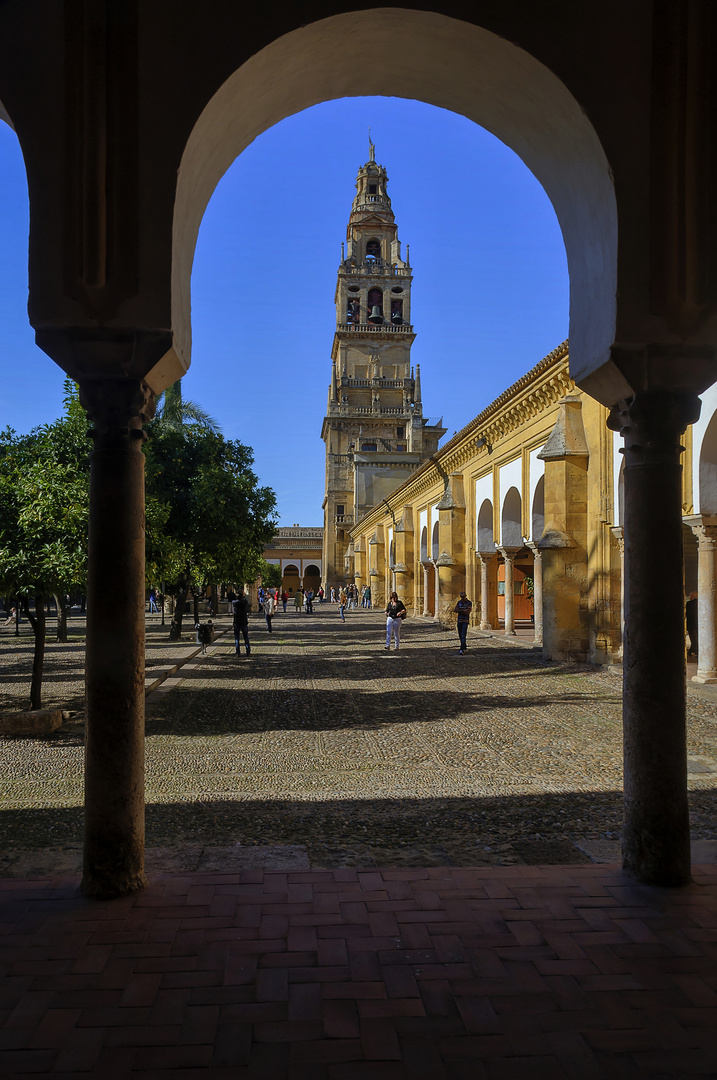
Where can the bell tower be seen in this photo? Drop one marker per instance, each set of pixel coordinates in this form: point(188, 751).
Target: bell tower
point(374, 429)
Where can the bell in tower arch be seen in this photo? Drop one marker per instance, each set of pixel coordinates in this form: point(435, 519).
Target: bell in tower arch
point(375, 316)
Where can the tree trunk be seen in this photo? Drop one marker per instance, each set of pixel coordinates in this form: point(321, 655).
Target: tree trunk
point(37, 622)
point(215, 600)
point(61, 603)
point(195, 597)
point(180, 599)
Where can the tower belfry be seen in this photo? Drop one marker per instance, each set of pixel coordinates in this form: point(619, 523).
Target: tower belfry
point(374, 429)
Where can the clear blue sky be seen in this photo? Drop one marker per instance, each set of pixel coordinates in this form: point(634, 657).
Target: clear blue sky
point(490, 291)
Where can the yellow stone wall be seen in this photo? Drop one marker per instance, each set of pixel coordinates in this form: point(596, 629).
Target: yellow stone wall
point(495, 452)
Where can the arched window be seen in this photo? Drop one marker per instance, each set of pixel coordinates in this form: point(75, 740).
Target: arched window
point(511, 534)
point(373, 249)
point(424, 544)
point(486, 544)
point(708, 469)
point(375, 301)
point(435, 542)
point(538, 515)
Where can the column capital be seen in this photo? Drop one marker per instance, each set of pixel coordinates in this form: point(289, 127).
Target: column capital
point(118, 409)
point(652, 424)
point(533, 546)
point(508, 553)
point(704, 526)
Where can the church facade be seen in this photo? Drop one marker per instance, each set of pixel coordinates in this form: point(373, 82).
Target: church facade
point(375, 432)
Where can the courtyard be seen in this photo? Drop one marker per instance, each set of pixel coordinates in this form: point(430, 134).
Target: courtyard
point(343, 882)
point(322, 750)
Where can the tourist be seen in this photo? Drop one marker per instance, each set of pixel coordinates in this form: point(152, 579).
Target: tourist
point(240, 610)
point(153, 600)
point(284, 599)
point(269, 607)
point(395, 613)
point(333, 595)
point(297, 600)
point(367, 597)
point(320, 594)
point(692, 622)
point(343, 599)
point(310, 602)
point(463, 612)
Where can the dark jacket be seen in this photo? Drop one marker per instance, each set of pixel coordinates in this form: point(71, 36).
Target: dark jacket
point(393, 609)
point(240, 607)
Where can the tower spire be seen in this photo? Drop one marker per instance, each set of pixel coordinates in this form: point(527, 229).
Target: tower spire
point(417, 388)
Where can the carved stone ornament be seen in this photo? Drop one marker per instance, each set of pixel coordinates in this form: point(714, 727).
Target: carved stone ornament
point(118, 409)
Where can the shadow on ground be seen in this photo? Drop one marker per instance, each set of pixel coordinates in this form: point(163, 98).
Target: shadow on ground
point(567, 827)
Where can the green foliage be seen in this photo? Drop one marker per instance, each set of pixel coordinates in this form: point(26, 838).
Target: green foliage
point(210, 517)
point(175, 413)
point(44, 505)
point(270, 574)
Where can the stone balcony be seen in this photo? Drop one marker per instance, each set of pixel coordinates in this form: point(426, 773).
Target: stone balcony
point(374, 268)
point(369, 328)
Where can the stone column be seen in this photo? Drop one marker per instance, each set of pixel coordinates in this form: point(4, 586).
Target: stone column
point(617, 532)
point(537, 591)
point(426, 609)
point(705, 529)
point(656, 834)
point(508, 556)
point(114, 660)
point(377, 572)
point(485, 557)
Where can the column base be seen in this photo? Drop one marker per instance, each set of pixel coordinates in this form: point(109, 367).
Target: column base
point(704, 677)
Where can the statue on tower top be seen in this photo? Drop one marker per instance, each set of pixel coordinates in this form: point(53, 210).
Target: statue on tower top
point(371, 148)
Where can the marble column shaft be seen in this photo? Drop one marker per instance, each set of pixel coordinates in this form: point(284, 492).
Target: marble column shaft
point(537, 592)
point(508, 557)
point(706, 532)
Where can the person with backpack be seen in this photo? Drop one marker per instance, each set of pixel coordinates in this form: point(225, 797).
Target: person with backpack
point(462, 610)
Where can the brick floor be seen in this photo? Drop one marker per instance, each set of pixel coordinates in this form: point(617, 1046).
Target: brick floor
point(563, 972)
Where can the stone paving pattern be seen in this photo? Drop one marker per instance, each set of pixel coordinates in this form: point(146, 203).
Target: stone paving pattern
point(512, 973)
point(323, 750)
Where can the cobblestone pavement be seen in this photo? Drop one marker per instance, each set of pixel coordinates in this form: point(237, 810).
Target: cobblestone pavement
point(324, 750)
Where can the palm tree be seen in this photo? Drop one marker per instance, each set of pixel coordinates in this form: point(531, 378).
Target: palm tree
point(175, 413)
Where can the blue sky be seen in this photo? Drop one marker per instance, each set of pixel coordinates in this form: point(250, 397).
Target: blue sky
point(490, 291)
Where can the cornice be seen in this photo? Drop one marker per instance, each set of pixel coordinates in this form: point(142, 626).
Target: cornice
point(532, 394)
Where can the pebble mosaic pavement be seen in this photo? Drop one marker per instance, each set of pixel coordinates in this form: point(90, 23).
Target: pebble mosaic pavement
point(324, 750)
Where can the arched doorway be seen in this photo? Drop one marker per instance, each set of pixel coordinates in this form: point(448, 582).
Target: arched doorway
point(290, 579)
point(312, 577)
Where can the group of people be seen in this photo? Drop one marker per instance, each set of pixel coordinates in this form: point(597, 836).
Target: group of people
point(348, 596)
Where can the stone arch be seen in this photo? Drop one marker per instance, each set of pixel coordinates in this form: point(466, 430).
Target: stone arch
point(537, 517)
point(435, 541)
point(312, 577)
point(511, 531)
point(486, 542)
point(708, 469)
point(290, 578)
point(621, 493)
point(445, 62)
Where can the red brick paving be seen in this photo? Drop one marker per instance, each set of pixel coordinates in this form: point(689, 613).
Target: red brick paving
point(567, 973)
